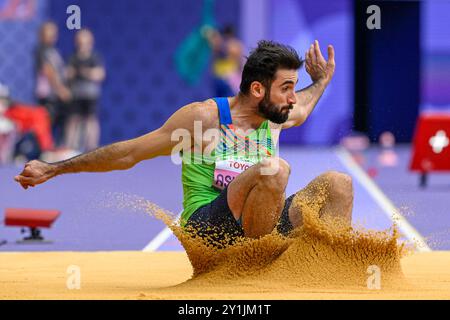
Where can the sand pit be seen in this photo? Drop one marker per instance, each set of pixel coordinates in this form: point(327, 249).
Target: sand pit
point(325, 258)
point(139, 275)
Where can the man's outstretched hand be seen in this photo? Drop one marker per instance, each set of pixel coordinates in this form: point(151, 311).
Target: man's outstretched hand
point(316, 65)
point(35, 172)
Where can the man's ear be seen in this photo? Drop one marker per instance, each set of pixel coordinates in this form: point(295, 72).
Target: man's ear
point(257, 89)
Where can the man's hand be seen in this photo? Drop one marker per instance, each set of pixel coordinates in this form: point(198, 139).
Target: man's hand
point(64, 94)
point(321, 72)
point(317, 67)
point(35, 172)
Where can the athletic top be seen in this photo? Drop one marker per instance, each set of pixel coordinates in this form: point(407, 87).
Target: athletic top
point(45, 54)
point(82, 87)
point(205, 175)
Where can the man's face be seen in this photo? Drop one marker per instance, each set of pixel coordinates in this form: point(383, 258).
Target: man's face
point(84, 41)
point(280, 98)
point(50, 34)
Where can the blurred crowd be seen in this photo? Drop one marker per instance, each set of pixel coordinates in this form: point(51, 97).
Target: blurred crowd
point(63, 118)
point(62, 121)
point(228, 60)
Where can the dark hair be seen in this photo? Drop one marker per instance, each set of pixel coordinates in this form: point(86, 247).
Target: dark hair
point(265, 60)
point(228, 30)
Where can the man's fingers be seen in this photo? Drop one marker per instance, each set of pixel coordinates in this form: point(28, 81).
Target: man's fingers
point(27, 172)
point(331, 54)
point(308, 56)
point(317, 52)
point(308, 61)
point(24, 181)
point(23, 184)
point(307, 67)
point(312, 55)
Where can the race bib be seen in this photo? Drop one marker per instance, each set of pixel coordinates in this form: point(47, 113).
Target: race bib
point(227, 170)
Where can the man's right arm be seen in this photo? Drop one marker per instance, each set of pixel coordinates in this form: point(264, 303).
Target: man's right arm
point(117, 156)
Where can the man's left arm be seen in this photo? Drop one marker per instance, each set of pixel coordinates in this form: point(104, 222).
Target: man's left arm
point(321, 72)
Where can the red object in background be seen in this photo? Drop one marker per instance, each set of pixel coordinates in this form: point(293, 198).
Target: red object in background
point(32, 118)
point(431, 145)
point(359, 158)
point(17, 9)
point(30, 217)
point(372, 172)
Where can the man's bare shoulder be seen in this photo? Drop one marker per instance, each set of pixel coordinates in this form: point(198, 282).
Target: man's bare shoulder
point(205, 111)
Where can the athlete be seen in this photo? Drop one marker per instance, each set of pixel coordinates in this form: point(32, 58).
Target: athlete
point(233, 182)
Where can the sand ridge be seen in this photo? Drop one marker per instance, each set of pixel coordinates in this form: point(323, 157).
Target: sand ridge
point(323, 253)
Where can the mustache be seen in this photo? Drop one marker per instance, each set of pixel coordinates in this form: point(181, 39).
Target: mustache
point(288, 107)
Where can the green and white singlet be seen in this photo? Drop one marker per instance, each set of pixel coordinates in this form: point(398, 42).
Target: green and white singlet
point(205, 176)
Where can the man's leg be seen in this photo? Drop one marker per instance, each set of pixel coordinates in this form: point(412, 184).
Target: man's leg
point(92, 132)
point(337, 191)
point(257, 196)
point(72, 132)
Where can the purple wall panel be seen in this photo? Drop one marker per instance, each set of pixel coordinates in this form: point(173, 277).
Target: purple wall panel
point(299, 23)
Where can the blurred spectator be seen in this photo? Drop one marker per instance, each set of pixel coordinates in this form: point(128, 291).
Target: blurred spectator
point(7, 128)
point(51, 90)
point(227, 64)
point(85, 73)
point(25, 129)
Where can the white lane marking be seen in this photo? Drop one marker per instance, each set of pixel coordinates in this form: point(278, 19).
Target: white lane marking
point(161, 237)
point(382, 200)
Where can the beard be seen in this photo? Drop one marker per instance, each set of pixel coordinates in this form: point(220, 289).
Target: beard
point(272, 112)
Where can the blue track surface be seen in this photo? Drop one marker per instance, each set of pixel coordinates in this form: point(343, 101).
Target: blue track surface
point(95, 215)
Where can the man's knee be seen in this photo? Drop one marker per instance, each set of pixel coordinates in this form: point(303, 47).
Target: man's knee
point(339, 184)
point(274, 172)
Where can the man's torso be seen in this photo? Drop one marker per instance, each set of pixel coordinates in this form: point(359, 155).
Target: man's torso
point(219, 152)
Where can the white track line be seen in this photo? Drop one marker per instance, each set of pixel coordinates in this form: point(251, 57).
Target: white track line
point(158, 241)
point(382, 200)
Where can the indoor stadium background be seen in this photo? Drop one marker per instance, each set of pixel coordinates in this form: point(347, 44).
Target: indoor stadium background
point(385, 80)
